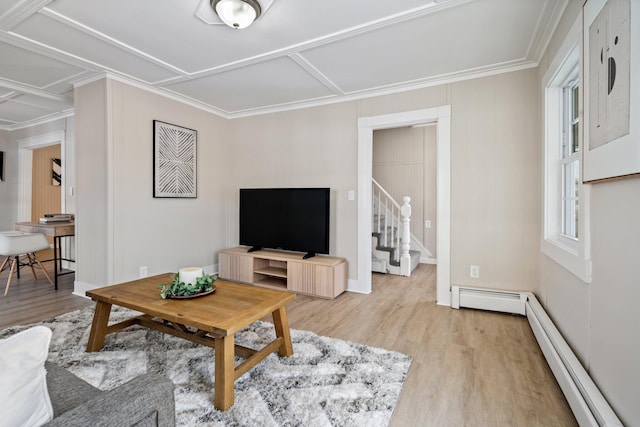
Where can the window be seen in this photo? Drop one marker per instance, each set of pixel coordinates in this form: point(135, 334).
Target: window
point(566, 199)
point(570, 162)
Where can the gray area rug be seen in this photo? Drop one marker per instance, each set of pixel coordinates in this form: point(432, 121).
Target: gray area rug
point(327, 382)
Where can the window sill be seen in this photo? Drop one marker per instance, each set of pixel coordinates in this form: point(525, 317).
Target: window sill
point(567, 257)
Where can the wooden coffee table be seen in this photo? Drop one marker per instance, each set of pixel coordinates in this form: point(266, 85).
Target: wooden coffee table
point(210, 320)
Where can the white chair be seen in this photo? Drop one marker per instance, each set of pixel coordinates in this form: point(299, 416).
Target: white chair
point(14, 244)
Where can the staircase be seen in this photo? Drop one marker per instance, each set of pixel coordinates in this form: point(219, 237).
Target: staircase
point(391, 236)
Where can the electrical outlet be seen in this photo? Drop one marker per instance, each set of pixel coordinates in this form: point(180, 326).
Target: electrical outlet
point(474, 271)
point(143, 271)
point(427, 224)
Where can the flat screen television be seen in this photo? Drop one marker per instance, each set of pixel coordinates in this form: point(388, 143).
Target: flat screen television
point(295, 219)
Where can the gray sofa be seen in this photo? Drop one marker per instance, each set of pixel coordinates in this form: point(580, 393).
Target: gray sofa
point(146, 400)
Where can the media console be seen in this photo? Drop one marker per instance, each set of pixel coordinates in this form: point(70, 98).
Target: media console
point(321, 276)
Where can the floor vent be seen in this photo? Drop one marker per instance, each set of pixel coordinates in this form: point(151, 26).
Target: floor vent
point(488, 299)
point(587, 403)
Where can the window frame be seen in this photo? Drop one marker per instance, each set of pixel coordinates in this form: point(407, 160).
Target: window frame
point(569, 156)
point(574, 254)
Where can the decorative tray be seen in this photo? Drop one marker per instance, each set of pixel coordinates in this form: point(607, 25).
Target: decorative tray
point(201, 294)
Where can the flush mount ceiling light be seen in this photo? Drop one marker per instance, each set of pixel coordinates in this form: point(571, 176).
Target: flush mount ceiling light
point(237, 13)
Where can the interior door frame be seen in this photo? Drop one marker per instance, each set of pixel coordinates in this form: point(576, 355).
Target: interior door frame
point(441, 116)
point(25, 169)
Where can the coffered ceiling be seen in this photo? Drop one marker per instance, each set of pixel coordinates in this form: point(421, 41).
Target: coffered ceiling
point(298, 53)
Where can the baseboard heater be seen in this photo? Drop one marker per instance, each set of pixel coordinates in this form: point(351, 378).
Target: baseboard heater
point(587, 402)
point(488, 299)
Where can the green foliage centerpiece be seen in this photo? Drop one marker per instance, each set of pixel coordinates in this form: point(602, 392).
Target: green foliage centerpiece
point(179, 287)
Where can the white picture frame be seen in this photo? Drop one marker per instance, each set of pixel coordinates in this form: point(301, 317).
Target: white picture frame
point(611, 65)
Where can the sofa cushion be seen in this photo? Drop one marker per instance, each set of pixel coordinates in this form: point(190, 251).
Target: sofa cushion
point(24, 399)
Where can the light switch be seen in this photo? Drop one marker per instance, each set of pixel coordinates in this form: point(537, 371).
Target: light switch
point(351, 195)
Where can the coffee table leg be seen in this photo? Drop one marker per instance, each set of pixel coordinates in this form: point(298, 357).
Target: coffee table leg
point(99, 326)
point(281, 323)
point(224, 372)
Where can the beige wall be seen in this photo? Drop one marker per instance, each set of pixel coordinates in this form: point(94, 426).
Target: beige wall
point(121, 226)
point(600, 319)
point(495, 170)
point(315, 147)
point(92, 201)
point(494, 166)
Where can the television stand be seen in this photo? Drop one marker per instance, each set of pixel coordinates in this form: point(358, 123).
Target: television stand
point(321, 275)
point(309, 255)
point(254, 248)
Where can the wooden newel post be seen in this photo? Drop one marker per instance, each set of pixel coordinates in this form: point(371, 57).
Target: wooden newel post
point(405, 258)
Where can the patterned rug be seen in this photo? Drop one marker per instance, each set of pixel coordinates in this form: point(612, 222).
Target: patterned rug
point(327, 382)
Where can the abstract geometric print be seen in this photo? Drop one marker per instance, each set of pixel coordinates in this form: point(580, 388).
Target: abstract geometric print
point(174, 161)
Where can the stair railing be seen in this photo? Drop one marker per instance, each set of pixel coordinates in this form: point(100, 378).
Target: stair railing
point(405, 258)
point(386, 207)
point(383, 203)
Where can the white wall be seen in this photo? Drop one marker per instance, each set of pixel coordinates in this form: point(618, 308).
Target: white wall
point(600, 319)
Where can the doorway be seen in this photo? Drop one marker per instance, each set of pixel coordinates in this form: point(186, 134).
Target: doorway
point(26, 149)
point(404, 164)
point(441, 117)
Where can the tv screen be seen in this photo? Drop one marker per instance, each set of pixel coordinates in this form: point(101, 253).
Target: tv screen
point(295, 219)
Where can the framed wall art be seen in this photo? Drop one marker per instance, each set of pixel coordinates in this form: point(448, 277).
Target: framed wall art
point(611, 42)
point(56, 172)
point(174, 161)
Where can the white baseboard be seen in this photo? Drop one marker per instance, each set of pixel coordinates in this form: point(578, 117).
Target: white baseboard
point(585, 399)
point(354, 286)
point(488, 299)
point(80, 288)
point(587, 403)
point(210, 269)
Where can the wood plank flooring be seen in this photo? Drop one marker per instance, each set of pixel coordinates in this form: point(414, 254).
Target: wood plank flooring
point(469, 368)
point(30, 301)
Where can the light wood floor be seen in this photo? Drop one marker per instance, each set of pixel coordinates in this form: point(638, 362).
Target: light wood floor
point(469, 368)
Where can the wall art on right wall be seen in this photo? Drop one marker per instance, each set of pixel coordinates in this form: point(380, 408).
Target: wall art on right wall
point(611, 139)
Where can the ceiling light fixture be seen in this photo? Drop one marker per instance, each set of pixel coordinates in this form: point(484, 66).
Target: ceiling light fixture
point(237, 13)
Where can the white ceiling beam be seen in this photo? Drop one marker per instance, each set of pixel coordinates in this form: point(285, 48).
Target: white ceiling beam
point(21, 11)
point(317, 74)
point(19, 87)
